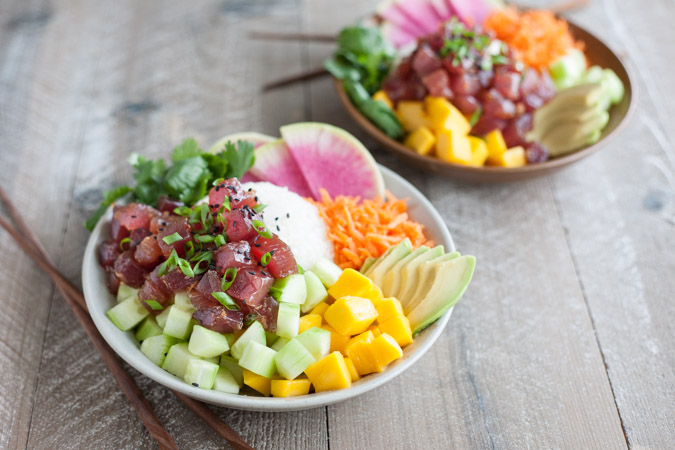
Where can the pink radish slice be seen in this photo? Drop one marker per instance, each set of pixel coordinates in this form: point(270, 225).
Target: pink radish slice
point(422, 13)
point(389, 11)
point(395, 35)
point(274, 163)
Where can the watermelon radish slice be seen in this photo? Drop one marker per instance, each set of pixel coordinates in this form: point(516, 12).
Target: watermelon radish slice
point(333, 159)
point(390, 12)
point(274, 163)
point(258, 140)
point(395, 35)
point(422, 12)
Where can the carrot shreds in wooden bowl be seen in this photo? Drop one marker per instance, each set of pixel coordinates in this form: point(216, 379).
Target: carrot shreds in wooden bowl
point(360, 229)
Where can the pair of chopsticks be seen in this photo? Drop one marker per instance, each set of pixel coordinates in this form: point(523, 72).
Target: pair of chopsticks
point(559, 8)
point(29, 242)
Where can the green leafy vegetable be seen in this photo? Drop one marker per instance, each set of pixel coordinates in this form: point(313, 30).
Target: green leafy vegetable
point(187, 179)
point(384, 117)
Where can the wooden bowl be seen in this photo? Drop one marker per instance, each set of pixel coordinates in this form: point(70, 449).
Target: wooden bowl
point(596, 52)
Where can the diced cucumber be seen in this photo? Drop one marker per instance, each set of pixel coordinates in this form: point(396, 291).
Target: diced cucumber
point(182, 300)
point(288, 320)
point(200, 373)
point(126, 292)
point(229, 363)
point(148, 328)
point(327, 271)
point(225, 382)
point(316, 341)
point(179, 324)
point(594, 74)
point(230, 339)
point(316, 292)
point(161, 317)
point(255, 332)
point(127, 314)
point(613, 85)
point(258, 359)
point(293, 359)
point(568, 70)
point(279, 344)
point(290, 289)
point(157, 347)
point(270, 338)
point(177, 359)
point(207, 343)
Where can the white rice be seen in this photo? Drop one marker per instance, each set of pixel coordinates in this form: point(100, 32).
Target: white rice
point(296, 221)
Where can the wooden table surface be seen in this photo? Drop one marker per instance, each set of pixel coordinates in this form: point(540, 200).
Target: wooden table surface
point(565, 339)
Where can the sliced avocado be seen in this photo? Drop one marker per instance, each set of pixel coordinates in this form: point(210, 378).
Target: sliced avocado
point(392, 279)
point(569, 136)
point(578, 97)
point(427, 274)
point(400, 251)
point(409, 274)
point(451, 280)
point(366, 264)
point(384, 256)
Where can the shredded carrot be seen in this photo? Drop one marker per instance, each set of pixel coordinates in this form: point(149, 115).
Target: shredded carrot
point(360, 229)
point(537, 37)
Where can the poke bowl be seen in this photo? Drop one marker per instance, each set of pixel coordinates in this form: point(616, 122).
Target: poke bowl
point(101, 302)
point(534, 133)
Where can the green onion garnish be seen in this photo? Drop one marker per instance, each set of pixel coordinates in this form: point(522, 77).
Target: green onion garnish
point(275, 292)
point(259, 208)
point(262, 230)
point(250, 318)
point(202, 261)
point(266, 258)
point(217, 181)
point(225, 300)
point(228, 278)
point(183, 211)
point(170, 239)
point(126, 240)
point(300, 269)
point(154, 304)
point(204, 238)
point(219, 240)
point(226, 203)
point(189, 249)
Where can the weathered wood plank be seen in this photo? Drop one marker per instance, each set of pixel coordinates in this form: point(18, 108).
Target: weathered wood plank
point(166, 71)
point(619, 212)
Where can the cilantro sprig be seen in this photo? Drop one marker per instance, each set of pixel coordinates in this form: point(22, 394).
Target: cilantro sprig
point(187, 178)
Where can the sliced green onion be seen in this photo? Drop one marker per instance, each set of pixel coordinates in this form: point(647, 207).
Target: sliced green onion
point(204, 238)
point(258, 224)
point(226, 203)
point(275, 292)
point(154, 304)
point(170, 239)
point(184, 267)
point(204, 214)
point(225, 300)
point(183, 211)
point(169, 264)
point(162, 268)
point(189, 249)
point(259, 208)
point(219, 240)
point(202, 261)
point(266, 258)
point(228, 278)
point(300, 269)
point(126, 240)
point(217, 181)
point(476, 115)
point(250, 318)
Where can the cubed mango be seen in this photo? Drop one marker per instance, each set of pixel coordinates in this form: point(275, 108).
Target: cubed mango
point(496, 146)
point(382, 96)
point(366, 336)
point(373, 294)
point(290, 388)
point(363, 358)
point(309, 321)
point(411, 114)
point(513, 157)
point(352, 370)
point(479, 151)
point(422, 140)
point(375, 330)
point(338, 342)
point(257, 382)
point(388, 308)
point(399, 328)
point(350, 315)
point(320, 308)
point(329, 373)
point(386, 349)
point(351, 283)
point(453, 147)
point(446, 117)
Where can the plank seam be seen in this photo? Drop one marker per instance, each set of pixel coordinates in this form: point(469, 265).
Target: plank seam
point(582, 287)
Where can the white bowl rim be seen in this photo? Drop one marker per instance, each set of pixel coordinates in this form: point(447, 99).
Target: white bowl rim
point(95, 297)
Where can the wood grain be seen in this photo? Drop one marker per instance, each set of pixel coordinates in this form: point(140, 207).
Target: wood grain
point(564, 340)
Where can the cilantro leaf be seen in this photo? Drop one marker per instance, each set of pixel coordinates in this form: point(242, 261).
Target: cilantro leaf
point(217, 164)
point(187, 179)
point(109, 197)
point(187, 149)
point(241, 158)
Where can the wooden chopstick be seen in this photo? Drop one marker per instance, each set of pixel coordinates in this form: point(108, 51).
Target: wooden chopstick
point(314, 73)
point(312, 37)
point(74, 298)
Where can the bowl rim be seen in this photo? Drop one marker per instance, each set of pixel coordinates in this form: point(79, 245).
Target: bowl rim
point(96, 297)
point(397, 147)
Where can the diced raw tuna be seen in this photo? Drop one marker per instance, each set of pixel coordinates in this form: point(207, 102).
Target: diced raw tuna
point(177, 281)
point(282, 262)
point(130, 217)
point(515, 132)
point(128, 270)
point(166, 204)
point(182, 228)
point(267, 313)
point(438, 84)
point(486, 124)
point(507, 83)
point(425, 61)
point(151, 291)
point(136, 236)
point(231, 188)
point(250, 287)
point(111, 280)
point(239, 226)
point(234, 254)
point(467, 104)
point(108, 252)
point(219, 319)
point(148, 253)
point(465, 84)
point(200, 295)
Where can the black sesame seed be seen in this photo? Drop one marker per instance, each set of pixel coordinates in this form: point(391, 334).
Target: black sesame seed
point(133, 217)
point(217, 188)
point(288, 216)
point(278, 229)
point(250, 272)
point(195, 384)
point(165, 354)
point(161, 229)
point(256, 245)
point(263, 272)
point(272, 252)
point(276, 218)
point(234, 223)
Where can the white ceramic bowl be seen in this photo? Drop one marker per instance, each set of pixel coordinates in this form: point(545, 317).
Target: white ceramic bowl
point(99, 301)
